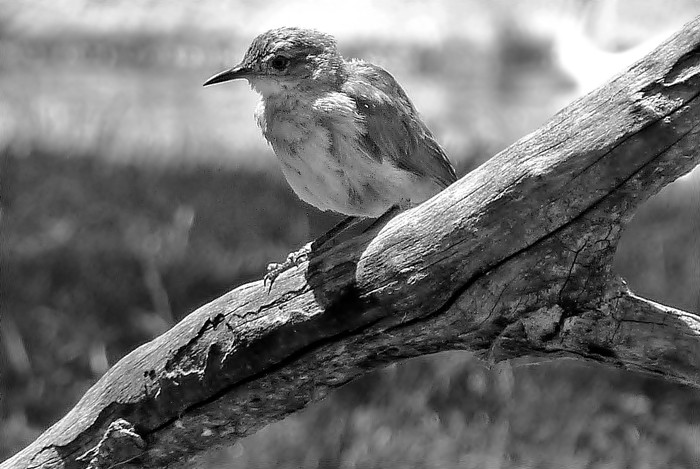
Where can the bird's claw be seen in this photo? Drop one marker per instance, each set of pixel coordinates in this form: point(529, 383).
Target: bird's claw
point(274, 269)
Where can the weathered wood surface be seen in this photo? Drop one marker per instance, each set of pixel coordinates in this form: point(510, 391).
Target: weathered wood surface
point(513, 260)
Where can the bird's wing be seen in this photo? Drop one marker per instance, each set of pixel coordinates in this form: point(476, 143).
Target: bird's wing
point(393, 129)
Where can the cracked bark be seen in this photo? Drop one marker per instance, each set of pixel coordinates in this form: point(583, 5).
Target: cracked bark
point(513, 260)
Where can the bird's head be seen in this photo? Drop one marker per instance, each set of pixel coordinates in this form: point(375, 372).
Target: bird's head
point(283, 59)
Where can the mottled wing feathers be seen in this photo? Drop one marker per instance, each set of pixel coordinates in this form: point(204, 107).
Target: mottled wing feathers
point(393, 129)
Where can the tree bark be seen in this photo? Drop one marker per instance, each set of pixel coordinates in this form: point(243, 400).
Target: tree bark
point(513, 260)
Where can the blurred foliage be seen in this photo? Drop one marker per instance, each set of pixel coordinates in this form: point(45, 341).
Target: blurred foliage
point(130, 197)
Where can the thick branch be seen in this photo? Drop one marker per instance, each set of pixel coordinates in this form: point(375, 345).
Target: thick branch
point(512, 260)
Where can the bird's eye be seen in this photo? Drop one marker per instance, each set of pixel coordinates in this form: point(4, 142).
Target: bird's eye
point(280, 62)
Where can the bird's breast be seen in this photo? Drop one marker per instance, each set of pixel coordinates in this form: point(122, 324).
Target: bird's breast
point(317, 141)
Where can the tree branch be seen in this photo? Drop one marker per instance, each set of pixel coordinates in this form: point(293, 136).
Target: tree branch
point(513, 260)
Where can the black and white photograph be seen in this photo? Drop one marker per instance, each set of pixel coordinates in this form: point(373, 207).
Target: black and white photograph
point(372, 234)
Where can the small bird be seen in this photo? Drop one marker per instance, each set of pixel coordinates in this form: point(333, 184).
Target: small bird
point(348, 138)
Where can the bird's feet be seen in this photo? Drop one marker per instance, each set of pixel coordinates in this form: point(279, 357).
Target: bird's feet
point(295, 258)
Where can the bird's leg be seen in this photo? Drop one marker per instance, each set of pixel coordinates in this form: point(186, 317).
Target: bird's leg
point(295, 258)
point(344, 224)
point(274, 269)
point(384, 217)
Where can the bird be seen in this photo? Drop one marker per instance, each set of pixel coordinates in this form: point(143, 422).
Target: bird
point(348, 138)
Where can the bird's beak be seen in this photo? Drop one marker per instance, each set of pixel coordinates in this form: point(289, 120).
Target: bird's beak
point(239, 71)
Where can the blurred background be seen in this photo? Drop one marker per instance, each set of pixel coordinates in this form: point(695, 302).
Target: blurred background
point(131, 195)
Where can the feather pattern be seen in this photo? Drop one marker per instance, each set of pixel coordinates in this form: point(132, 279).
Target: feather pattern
point(347, 136)
point(393, 129)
